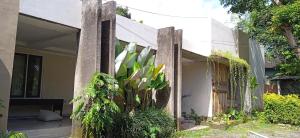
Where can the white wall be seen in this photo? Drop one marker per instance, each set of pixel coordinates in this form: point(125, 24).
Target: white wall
point(253, 53)
point(197, 88)
point(257, 63)
point(66, 12)
point(223, 38)
point(131, 31)
point(200, 35)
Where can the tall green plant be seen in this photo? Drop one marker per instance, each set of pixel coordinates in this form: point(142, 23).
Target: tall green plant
point(96, 108)
point(138, 76)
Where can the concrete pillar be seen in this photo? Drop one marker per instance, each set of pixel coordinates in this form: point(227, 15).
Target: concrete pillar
point(178, 76)
point(108, 37)
point(88, 58)
point(165, 55)
point(9, 12)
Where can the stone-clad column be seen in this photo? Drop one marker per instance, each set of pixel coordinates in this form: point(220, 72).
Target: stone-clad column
point(108, 37)
point(178, 75)
point(9, 12)
point(88, 57)
point(165, 55)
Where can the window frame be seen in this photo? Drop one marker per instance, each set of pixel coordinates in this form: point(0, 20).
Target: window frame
point(26, 69)
point(25, 78)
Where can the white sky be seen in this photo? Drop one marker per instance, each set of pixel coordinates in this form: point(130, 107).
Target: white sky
point(190, 8)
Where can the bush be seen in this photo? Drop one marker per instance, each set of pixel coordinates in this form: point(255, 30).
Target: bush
point(149, 123)
point(282, 109)
point(95, 107)
point(12, 134)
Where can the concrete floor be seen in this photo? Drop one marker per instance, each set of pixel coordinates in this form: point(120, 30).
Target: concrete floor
point(40, 129)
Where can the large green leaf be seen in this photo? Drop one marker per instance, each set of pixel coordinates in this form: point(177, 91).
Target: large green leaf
point(158, 70)
point(150, 61)
point(136, 75)
point(130, 59)
point(119, 47)
point(143, 84)
point(122, 71)
point(131, 48)
point(137, 99)
point(144, 55)
point(119, 60)
point(160, 82)
point(136, 67)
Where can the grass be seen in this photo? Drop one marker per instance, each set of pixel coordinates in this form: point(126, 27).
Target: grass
point(241, 130)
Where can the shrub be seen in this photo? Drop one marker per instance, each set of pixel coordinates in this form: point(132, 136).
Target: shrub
point(149, 123)
point(282, 109)
point(12, 134)
point(95, 107)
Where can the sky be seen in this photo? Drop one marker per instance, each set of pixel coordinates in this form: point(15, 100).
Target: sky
point(183, 8)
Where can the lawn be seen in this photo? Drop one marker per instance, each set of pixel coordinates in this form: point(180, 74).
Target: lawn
point(241, 130)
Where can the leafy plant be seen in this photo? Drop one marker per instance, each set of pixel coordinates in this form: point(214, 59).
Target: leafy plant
point(149, 123)
point(290, 66)
point(12, 134)
point(193, 115)
point(138, 76)
point(253, 82)
point(95, 108)
point(282, 109)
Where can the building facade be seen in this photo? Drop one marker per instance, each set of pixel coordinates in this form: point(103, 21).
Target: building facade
point(42, 58)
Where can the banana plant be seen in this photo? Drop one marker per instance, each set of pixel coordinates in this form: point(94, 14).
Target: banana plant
point(138, 76)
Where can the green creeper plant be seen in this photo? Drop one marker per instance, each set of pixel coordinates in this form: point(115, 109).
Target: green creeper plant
point(96, 108)
point(238, 74)
point(138, 76)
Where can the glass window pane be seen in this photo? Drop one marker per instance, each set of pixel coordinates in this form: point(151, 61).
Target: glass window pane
point(34, 76)
point(18, 76)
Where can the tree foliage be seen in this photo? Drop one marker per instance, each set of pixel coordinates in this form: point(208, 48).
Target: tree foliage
point(274, 24)
point(123, 11)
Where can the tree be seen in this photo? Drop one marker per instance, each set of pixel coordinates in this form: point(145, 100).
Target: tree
point(278, 17)
point(124, 12)
point(274, 24)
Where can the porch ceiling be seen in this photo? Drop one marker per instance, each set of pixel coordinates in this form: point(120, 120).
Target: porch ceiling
point(40, 34)
point(189, 57)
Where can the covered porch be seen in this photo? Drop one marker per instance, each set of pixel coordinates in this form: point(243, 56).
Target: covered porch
point(196, 85)
point(43, 77)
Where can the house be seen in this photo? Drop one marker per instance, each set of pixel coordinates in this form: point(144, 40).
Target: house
point(44, 63)
point(280, 84)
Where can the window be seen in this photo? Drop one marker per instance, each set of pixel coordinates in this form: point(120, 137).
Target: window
point(26, 78)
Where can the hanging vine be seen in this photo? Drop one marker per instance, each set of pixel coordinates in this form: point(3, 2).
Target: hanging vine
point(239, 71)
